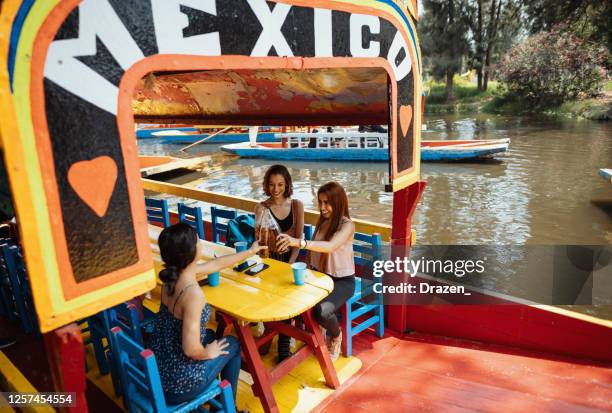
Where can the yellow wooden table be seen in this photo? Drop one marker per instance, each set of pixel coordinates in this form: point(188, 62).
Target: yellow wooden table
point(270, 296)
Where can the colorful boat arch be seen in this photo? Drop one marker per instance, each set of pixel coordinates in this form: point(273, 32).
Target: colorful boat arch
point(68, 125)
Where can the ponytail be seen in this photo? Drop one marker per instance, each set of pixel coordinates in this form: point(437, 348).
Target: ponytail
point(178, 248)
point(169, 276)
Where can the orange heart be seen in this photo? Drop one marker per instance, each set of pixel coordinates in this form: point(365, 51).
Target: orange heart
point(405, 117)
point(94, 182)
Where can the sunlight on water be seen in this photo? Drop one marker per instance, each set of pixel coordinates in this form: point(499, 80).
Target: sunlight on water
point(544, 190)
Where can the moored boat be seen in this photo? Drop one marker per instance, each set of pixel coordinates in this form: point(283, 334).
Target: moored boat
point(366, 147)
point(151, 165)
point(606, 174)
point(186, 135)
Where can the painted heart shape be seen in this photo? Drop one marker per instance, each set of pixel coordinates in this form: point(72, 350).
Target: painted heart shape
point(405, 117)
point(94, 182)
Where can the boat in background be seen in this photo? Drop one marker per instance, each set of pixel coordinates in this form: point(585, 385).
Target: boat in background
point(606, 174)
point(152, 165)
point(190, 134)
point(362, 147)
point(150, 131)
point(460, 150)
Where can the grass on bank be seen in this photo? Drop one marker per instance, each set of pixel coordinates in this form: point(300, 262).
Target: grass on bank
point(468, 99)
point(464, 91)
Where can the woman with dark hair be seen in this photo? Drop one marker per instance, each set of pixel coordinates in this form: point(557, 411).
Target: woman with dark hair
point(331, 252)
point(287, 212)
point(188, 356)
point(289, 215)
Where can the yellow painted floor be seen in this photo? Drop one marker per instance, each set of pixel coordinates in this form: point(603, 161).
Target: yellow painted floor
point(299, 391)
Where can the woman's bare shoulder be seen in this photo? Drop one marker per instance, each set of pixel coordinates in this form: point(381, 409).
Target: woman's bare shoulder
point(347, 224)
point(194, 296)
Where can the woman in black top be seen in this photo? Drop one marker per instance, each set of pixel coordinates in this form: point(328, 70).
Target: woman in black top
point(289, 215)
point(287, 212)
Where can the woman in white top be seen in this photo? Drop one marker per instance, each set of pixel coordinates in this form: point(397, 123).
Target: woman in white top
point(331, 252)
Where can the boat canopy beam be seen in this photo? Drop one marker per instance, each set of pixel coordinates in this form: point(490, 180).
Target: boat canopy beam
point(291, 97)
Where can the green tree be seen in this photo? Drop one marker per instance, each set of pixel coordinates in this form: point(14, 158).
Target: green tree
point(494, 25)
point(589, 19)
point(444, 38)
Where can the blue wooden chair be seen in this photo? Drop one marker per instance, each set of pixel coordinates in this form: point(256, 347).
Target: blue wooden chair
point(17, 288)
point(193, 217)
point(364, 302)
point(124, 315)
point(157, 211)
point(142, 387)
point(219, 228)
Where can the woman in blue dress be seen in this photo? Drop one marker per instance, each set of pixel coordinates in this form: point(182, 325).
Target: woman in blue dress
point(188, 356)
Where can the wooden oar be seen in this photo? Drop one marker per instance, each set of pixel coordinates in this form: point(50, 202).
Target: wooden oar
point(206, 138)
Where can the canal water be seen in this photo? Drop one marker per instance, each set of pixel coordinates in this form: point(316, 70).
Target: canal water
point(544, 190)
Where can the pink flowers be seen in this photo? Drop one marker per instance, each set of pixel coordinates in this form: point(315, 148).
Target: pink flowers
point(551, 67)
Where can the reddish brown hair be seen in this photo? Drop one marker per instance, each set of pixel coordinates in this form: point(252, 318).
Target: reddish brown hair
point(337, 199)
point(278, 170)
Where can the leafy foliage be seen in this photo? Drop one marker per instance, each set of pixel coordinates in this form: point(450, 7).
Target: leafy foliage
point(589, 19)
point(444, 42)
point(552, 67)
point(494, 28)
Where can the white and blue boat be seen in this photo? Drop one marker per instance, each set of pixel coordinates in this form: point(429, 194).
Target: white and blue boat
point(186, 135)
point(606, 174)
point(363, 147)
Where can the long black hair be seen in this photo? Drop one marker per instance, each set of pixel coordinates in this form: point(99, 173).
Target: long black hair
point(177, 246)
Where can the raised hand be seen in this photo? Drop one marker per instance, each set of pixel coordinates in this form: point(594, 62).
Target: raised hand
point(217, 348)
point(255, 248)
point(284, 241)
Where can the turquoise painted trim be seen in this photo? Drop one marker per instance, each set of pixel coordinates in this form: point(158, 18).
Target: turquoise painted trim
point(148, 133)
point(355, 155)
point(219, 139)
point(457, 154)
point(223, 138)
point(312, 154)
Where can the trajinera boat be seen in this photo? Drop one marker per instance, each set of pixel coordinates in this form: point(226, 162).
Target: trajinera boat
point(190, 134)
point(606, 174)
point(367, 147)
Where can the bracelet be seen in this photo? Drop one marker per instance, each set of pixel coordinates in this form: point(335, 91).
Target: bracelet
point(303, 243)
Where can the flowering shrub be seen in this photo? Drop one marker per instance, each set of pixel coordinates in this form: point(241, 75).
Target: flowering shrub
point(551, 67)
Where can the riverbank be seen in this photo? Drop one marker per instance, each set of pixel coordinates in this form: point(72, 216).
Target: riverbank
point(469, 100)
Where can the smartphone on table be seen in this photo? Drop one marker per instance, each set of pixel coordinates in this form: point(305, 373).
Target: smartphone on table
point(257, 268)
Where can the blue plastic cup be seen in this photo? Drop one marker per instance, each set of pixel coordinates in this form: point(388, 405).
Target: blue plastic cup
point(299, 272)
point(241, 246)
point(213, 279)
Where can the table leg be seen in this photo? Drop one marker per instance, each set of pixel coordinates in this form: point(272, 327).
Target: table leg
point(321, 351)
point(262, 385)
